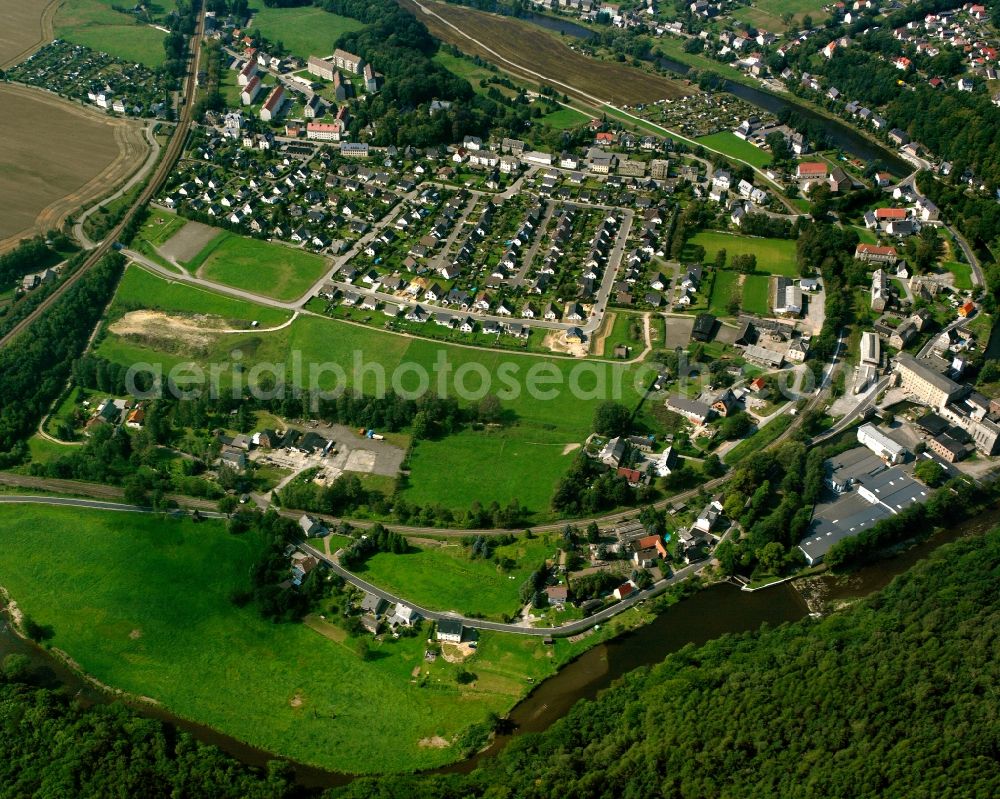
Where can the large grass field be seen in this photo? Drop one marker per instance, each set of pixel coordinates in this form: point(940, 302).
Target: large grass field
point(142, 289)
point(446, 578)
point(757, 294)
point(143, 603)
point(565, 118)
point(518, 461)
point(523, 462)
point(729, 143)
point(768, 14)
point(537, 50)
point(774, 256)
point(303, 31)
point(271, 270)
point(95, 24)
point(463, 67)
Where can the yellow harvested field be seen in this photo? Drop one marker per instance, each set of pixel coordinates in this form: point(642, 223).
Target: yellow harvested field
point(27, 24)
point(56, 157)
point(528, 51)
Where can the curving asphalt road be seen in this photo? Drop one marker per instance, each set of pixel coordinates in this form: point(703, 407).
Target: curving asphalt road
point(478, 624)
point(578, 626)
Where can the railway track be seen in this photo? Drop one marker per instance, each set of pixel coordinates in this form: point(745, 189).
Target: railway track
point(171, 153)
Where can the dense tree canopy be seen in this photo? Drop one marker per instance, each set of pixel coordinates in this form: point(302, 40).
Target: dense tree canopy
point(887, 698)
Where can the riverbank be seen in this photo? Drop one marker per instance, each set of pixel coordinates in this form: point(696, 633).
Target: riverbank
point(860, 143)
point(708, 613)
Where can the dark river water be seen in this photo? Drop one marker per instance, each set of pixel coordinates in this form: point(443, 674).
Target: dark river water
point(841, 135)
point(710, 613)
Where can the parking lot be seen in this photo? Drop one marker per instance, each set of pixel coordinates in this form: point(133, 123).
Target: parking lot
point(350, 452)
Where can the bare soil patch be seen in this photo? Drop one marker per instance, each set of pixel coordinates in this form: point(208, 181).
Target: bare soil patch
point(56, 158)
point(538, 55)
point(456, 653)
point(187, 242)
point(678, 331)
point(555, 341)
point(437, 742)
point(159, 329)
point(601, 336)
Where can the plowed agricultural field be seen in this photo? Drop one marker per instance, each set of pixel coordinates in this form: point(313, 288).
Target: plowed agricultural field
point(56, 157)
point(530, 52)
point(25, 25)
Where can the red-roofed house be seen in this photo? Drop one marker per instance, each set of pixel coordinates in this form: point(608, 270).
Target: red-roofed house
point(633, 476)
point(324, 131)
point(272, 106)
point(623, 591)
point(902, 63)
point(890, 214)
point(604, 138)
point(653, 542)
point(811, 170)
point(870, 253)
point(967, 310)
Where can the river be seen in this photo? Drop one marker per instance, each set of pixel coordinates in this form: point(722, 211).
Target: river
point(841, 135)
point(715, 611)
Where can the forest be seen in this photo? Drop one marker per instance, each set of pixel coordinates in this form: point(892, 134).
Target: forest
point(399, 46)
point(34, 368)
point(889, 697)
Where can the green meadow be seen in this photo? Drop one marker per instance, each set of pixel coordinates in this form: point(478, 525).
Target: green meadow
point(96, 24)
point(444, 577)
point(142, 603)
point(143, 289)
point(729, 143)
point(757, 294)
point(270, 270)
point(725, 287)
point(551, 400)
point(774, 256)
point(303, 31)
point(565, 118)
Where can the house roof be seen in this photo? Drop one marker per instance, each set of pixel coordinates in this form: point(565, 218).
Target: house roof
point(450, 627)
point(813, 168)
point(872, 249)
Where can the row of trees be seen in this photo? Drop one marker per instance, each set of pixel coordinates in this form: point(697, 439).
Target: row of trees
point(377, 539)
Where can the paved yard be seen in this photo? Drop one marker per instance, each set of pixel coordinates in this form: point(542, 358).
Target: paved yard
point(187, 242)
point(678, 331)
